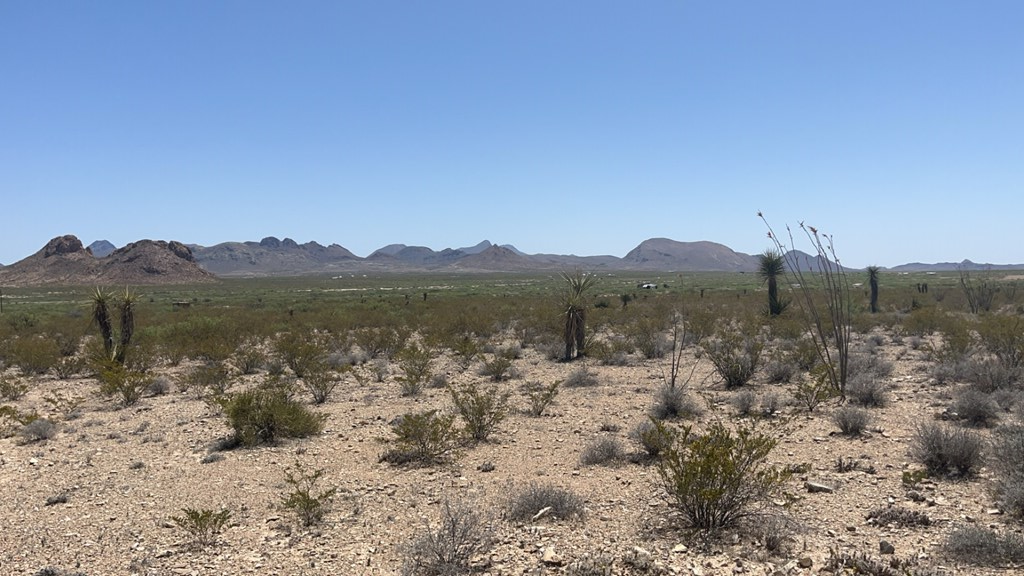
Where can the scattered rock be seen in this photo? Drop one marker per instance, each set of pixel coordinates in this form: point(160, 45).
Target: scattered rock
point(551, 558)
point(885, 547)
point(815, 487)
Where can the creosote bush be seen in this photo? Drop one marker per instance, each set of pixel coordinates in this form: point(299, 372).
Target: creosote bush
point(734, 355)
point(718, 477)
point(305, 499)
point(539, 397)
point(267, 413)
point(202, 525)
point(414, 363)
point(125, 383)
point(422, 438)
point(653, 439)
point(527, 501)
point(482, 409)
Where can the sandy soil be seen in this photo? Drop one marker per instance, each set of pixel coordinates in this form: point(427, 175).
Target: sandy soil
point(125, 471)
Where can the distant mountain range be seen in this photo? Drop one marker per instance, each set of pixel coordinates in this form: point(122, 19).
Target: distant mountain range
point(65, 260)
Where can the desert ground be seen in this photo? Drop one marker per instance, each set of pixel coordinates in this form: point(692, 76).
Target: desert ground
point(98, 495)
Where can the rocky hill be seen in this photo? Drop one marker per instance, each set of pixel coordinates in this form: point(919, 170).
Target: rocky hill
point(64, 260)
point(665, 254)
point(271, 256)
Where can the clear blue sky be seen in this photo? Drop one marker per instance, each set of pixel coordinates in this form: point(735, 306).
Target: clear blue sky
point(560, 127)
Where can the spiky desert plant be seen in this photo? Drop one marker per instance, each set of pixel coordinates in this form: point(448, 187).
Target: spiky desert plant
point(873, 283)
point(101, 303)
point(574, 310)
point(770, 265)
point(101, 316)
point(127, 324)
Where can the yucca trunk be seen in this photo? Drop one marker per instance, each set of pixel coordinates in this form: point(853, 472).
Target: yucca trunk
point(101, 315)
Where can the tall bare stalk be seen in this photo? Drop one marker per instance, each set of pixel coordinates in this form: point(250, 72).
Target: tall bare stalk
point(829, 324)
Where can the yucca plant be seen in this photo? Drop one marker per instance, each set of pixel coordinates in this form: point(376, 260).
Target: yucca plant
point(873, 283)
point(574, 310)
point(101, 303)
point(771, 264)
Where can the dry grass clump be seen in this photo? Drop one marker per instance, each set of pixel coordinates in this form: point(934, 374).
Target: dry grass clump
point(602, 451)
point(537, 499)
point(947, 451)
point(852, 421)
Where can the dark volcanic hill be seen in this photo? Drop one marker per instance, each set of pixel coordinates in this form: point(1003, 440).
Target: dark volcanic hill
point(65, 261)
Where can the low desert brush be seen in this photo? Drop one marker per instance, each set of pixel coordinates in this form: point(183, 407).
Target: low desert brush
point(202, 525)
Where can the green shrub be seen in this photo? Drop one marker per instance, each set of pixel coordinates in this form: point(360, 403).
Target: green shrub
point(414, 362)
point(498, 367)
point(719, 477)
point(303, 351)
point(12, 388)
point(422, 438)
point(264, 414)
point(69, 366)
point(947, 451)
point(381, 341)
point(539, 397)
point(653, 439)
point(1003, 336)
point(735, 356)
point(308, 502)
point(126, 384)
point(249, 357)
point(207, 379)
point(526, 502)
point(203, 526)
point(481, 409)
point(320, 383)
point(34, 354)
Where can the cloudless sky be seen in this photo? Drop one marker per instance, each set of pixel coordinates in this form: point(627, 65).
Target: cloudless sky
point(575, 127)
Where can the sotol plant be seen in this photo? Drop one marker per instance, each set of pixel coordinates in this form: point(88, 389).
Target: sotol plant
point(574, 312)
point(770, 265)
